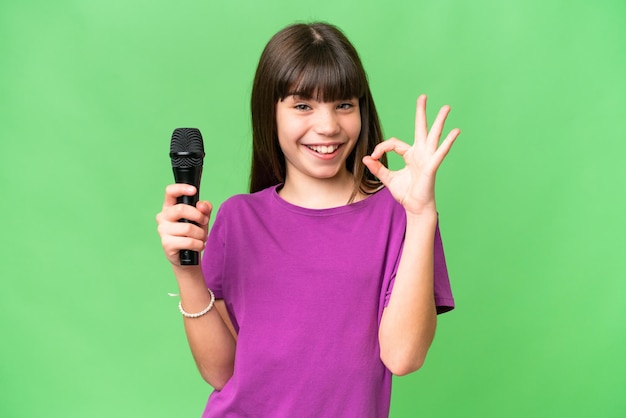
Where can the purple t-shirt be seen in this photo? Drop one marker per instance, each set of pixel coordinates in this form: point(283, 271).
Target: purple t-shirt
point(305, 289)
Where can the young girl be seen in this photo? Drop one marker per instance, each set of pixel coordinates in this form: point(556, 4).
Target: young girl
point(327, 277)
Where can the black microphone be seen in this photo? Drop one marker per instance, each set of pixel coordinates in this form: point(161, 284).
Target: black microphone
point(187, 153)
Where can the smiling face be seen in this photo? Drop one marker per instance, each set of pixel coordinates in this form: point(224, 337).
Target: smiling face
point(316, 61)
point(316, 137)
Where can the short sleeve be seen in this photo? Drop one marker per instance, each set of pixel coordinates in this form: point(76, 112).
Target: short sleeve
point(213, 258)
point(443, 292)
point(444, 301)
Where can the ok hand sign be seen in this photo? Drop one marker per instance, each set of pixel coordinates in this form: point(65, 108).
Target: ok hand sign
point(413, 186)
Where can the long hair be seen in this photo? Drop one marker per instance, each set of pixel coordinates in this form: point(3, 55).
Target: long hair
point(316, 60)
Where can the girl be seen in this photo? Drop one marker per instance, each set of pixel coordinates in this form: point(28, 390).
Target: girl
point(327, 277)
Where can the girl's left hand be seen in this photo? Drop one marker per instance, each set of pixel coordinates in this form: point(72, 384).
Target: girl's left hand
point(414, 185)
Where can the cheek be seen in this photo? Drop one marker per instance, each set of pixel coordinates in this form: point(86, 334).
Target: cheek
point(355, 128)
point(282, 128)
point(291, 130)
point(284, 132)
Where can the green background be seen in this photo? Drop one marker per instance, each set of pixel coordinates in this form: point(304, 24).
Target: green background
point(531, 199)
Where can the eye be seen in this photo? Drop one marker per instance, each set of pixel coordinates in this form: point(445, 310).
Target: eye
point(345, 106)
point(302, 107)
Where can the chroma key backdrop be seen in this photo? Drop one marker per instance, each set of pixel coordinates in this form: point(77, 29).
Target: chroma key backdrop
point(531, 200)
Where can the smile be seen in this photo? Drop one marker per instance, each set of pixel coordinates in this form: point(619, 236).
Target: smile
point(323, 149)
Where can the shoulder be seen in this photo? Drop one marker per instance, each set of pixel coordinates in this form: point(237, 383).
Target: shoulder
point(240, 212)
point(245, 206)
point(383, 200)
point(378, 211)
point(240, 201)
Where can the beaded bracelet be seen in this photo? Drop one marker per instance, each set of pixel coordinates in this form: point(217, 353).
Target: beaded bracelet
point(199, 314)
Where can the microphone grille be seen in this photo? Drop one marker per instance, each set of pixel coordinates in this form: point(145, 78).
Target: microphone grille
point(186, 148)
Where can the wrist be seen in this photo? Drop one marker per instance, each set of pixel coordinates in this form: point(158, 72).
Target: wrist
point(199, 313)
point(192, 287)
point(188, 276)
point(427, 214)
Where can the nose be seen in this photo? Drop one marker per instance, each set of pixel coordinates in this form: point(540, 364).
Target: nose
point(327, 123)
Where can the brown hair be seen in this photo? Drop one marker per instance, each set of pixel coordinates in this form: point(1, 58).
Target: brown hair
point(315, 60)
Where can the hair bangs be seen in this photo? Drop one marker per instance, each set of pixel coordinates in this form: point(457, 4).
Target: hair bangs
point(324, 76)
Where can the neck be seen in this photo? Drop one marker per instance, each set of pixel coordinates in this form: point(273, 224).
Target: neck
point(319, 193)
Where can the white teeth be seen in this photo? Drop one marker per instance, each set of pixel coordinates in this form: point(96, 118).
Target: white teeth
point(323, 149)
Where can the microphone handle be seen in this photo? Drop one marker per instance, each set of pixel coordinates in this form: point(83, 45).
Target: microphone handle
point(191, 176)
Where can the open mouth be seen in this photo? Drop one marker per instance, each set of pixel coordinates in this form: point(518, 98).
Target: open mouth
point(323, 149)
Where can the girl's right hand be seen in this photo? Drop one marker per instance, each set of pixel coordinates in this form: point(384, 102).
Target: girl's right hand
point(175, 235)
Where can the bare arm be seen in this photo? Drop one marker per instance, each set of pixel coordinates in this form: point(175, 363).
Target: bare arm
point(409, 321)
point(408, 324)
point(211, 337)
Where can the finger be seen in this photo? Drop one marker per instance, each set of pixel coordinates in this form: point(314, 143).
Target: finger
point(421, 126)
point(392, 144)
point(437, 128)
point(174, 191)
point(182, 229)
point(182, 211)
point(204, 207)
point(445, 147)
point(173, 244)
point(377, 169)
